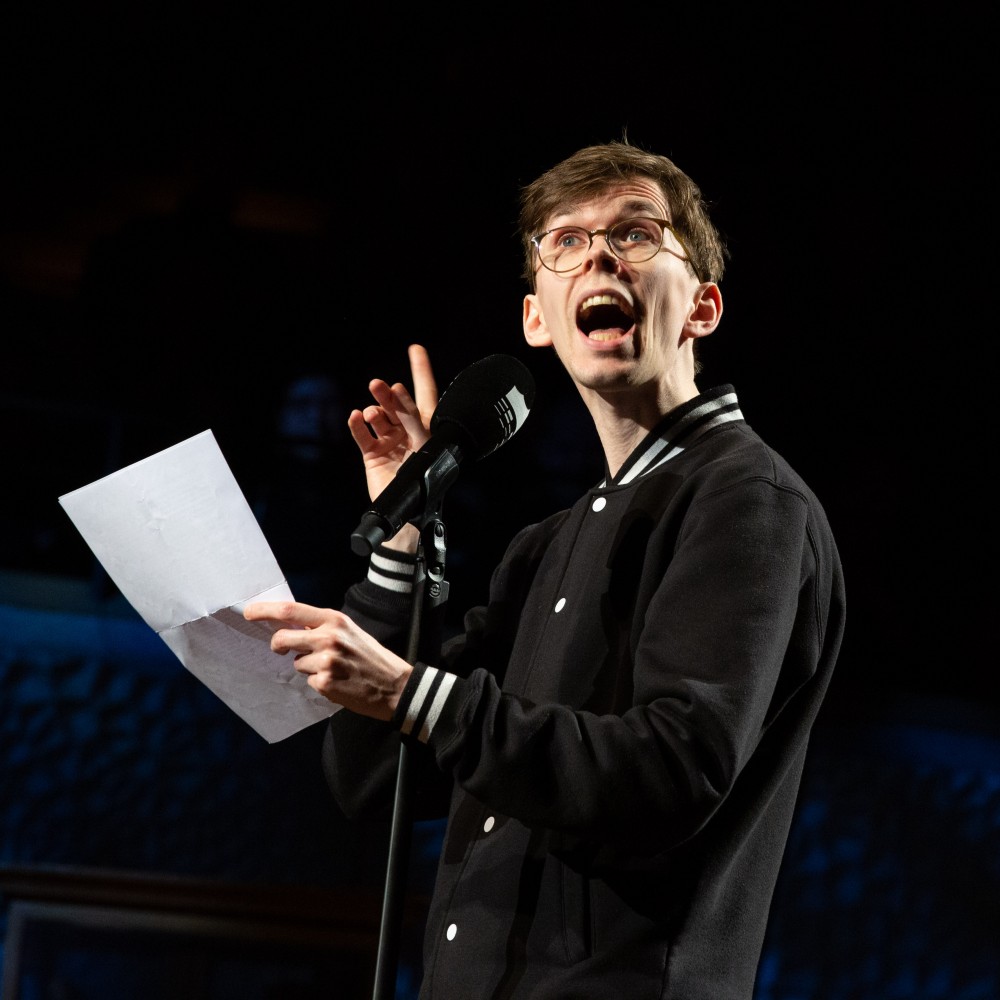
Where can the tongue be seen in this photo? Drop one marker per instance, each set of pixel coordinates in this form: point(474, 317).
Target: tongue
point(602, 322)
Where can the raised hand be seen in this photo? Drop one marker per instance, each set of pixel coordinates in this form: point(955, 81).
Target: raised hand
point(389, 430)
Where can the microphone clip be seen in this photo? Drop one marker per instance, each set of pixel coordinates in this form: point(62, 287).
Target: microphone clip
point(423, 490)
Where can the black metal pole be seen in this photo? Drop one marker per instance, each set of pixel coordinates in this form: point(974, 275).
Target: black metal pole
point(427, 596)
point(386, 968)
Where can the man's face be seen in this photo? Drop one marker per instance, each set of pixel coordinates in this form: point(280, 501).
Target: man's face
point(616, 325)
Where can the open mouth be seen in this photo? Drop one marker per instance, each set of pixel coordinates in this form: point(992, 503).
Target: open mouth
point(604, 317)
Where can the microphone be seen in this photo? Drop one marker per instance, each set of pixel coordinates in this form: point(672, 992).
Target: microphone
point(483, 408)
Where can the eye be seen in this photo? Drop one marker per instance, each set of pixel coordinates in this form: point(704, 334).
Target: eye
point(569, 239)
point(634, 231)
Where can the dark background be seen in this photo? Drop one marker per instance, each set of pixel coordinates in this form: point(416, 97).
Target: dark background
point(199, 207)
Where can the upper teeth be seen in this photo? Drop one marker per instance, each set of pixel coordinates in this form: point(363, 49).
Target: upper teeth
point(605, 300)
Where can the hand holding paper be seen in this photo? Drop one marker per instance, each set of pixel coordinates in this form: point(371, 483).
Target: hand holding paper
point(337, 656)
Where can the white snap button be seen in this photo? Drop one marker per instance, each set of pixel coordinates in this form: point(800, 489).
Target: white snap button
point(488, 825)
point(452, 931)
point(599, 504)
point(560, 604)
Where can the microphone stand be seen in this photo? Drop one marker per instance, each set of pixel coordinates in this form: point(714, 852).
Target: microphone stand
point(430, 593)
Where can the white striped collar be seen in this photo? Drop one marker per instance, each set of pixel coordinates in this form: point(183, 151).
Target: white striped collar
point(678, 430)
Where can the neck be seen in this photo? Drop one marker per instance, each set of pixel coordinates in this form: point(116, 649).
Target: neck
point(624, 419)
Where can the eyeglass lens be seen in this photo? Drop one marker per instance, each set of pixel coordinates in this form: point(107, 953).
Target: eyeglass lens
point(632, 240)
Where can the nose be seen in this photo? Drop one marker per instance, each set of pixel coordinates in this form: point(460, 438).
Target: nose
point(600, 256)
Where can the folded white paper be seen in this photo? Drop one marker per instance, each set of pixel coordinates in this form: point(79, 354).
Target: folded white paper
point(178, 538)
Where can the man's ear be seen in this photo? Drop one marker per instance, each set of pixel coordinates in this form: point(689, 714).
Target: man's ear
point(536, 333)
point(706, 310)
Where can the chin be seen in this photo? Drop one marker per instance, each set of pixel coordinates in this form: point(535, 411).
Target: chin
point(605, 376)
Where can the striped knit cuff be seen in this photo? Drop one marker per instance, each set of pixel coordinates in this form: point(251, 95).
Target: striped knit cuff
point(423, 700)
point(392, 570)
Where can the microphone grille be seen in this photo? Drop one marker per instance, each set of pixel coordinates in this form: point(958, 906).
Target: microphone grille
point(487, 403)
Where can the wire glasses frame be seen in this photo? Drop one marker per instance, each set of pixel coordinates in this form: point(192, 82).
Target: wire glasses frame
point(615, 236)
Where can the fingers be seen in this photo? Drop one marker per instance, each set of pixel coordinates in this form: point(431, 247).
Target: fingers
point(396, 399)
point(379, 426)
point(288, 613)
point(391, 403)
point(337, 658)
point(397, 412)
point(360, 430)
point(397, 423)
point(302, 626)
point(414, 412)
point(424, 384)
point(390, 417)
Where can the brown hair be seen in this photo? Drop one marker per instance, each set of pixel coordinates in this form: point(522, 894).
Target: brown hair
point(592, 170)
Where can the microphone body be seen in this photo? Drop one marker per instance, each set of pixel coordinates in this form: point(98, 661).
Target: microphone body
point(482, 409)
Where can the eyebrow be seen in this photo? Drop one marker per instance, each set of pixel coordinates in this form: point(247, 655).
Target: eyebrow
point(639, 205)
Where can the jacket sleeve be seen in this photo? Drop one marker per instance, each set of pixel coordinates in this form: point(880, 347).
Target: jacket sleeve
point(734, 592)
point(361, 756)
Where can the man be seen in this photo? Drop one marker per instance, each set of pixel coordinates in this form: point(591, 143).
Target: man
point(623, 729)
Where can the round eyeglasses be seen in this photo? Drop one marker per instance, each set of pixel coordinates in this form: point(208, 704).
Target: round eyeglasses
point(634, 240)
